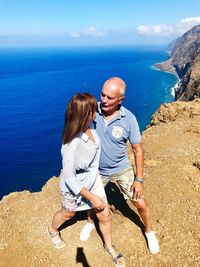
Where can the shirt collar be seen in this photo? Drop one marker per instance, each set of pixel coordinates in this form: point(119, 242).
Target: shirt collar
point(122, 111)
point(84, 136)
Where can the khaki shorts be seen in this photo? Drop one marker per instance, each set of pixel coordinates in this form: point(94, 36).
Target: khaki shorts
point(123, 180)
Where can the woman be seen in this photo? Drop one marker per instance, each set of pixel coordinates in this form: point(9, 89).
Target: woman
point(80, 183)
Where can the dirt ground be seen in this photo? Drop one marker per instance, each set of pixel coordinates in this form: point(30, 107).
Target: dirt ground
point(172, 172)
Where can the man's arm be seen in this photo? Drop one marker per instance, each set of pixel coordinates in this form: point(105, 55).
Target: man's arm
point(139, 159)
point(137, 187)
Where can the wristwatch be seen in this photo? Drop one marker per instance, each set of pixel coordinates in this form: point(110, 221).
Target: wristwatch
point(139, 180)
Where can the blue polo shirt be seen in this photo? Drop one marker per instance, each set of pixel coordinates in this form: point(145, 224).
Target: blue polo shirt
point(114, 136)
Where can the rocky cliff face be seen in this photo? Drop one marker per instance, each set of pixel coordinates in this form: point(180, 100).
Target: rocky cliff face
point(172, 171)
point(185, 62)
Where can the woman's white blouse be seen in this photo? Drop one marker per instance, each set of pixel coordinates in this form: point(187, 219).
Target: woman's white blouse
point(80, 162)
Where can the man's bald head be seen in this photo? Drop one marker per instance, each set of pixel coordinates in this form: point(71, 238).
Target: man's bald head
point(116, 82)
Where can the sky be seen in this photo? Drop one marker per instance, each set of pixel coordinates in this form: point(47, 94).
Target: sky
point(95, 22)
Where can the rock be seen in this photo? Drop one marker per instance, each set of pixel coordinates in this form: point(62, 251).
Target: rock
point(177, 110)
point(197, 164)
point(171, 187)
point(184, 61)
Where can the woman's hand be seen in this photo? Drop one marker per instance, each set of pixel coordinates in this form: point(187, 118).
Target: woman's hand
point(97, 202)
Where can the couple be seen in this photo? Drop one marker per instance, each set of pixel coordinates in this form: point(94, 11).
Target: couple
point(80, 183)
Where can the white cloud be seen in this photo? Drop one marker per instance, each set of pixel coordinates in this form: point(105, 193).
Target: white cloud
point(91, 31)
point(169, 29)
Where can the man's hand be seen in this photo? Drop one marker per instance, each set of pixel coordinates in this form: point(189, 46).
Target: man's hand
point(138, 190)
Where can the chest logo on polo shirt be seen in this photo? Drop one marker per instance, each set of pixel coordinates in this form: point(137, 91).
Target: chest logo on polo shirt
point(117, 131)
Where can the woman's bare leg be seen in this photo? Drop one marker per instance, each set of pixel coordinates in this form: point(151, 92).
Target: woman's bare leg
point(105, 226)
point(59, 218)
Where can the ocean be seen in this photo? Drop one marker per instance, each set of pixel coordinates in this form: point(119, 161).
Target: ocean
point(35, 87)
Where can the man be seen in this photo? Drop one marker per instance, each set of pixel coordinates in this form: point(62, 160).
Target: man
point(115, 126)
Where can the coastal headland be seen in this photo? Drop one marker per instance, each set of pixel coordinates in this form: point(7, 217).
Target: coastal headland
point(184, 61)
point(172, 171)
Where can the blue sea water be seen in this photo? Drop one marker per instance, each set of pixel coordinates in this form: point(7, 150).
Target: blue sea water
point(35, 86)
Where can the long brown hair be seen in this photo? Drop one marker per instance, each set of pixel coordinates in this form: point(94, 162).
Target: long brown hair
point(77, 113)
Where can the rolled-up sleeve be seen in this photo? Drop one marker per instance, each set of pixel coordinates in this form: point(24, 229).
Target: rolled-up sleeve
point(69, 168)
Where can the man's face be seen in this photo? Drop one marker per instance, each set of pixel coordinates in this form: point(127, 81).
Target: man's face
point(110, 98)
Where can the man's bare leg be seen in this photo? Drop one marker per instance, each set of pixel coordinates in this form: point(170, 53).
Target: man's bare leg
point(88, 227)
point(144, 212)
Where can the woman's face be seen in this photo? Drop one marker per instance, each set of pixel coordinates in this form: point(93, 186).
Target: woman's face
point(91, 117)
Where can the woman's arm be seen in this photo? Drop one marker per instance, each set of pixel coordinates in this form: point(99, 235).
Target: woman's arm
point(69, 167)
point(96, 201)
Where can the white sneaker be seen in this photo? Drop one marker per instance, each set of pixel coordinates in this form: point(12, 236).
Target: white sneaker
point(86, 230)
point(152, 242)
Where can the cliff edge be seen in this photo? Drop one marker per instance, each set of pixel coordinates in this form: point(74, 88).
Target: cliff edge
point(172, 171)
point(184, 61)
